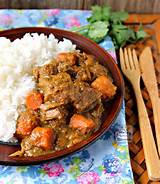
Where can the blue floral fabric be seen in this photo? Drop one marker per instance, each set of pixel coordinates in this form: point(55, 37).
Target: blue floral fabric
point(104, 162)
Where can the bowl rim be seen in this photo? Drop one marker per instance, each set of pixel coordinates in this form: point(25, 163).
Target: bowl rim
point(88, 141)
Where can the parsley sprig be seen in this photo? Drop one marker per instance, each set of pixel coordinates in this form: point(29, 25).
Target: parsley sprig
point(103, 21)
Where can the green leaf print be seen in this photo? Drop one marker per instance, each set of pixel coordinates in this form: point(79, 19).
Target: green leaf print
point(22, 169)
point(74, 170)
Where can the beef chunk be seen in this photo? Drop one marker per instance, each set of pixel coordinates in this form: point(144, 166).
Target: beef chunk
point(98, 70)
point(95, 114)
point(84, 97)
point(56, 88)
point(45, 71)
point(83, 73)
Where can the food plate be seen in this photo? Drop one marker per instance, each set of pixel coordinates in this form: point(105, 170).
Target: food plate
point(111, 110)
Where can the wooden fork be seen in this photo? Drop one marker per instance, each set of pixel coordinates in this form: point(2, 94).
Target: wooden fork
point(130, 67)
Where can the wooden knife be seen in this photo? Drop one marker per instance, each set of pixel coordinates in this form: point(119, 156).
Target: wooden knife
point(149, 78)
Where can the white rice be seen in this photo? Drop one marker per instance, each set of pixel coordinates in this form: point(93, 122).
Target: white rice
point(17, 59)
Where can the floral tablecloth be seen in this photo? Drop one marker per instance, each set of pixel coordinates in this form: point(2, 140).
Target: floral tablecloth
point(104, 162)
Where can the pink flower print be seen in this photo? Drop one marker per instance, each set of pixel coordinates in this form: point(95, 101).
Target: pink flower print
point(88, 178)
point(73, 21)
point(6, 19)
point(54, 12)
point(113, 54)
point(53, 169)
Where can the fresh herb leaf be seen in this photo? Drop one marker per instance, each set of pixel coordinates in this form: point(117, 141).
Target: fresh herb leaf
point(103, 21)
point(140, 34)
point(96, 14)
point(118, 17)
point(98, 30)
point(99, 14)
point(118, 27)
point(81, 30)
point(131, 35)
point(120, 34)
point(106, 12)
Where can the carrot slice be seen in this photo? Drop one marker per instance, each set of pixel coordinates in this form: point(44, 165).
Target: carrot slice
point(82, 123)
point(67, 57)
point(34, 100)
point(105, 86)
point(26, 122)
point(43, 137)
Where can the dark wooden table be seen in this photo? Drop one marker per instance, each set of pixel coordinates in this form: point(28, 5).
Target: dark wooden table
point(136, 6)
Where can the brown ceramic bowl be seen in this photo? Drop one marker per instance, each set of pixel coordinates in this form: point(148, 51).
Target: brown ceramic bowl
point(110, 114)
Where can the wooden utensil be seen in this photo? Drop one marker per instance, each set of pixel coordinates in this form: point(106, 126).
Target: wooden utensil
point(149, 78)
point(130, 67)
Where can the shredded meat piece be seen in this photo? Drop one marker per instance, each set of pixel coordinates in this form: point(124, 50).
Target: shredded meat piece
point(90, 60)
point(49, 105)
point(98, 70)
point(45, 71)
point(54, 113)
point(83, 73)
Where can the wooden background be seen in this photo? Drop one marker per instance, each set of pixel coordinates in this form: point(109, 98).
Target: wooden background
point(136, 6)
